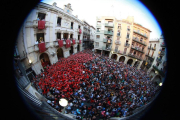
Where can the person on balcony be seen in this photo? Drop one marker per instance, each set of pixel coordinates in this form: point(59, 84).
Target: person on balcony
point(38, 19)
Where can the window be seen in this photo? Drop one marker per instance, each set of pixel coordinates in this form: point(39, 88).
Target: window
point(98, 22)
point(96, 44)
point(125, 49)
point(150, 45)
point(98, 29)
point(127, 35)
point(59, 21)
point(97, 36)
point(128, 28)
point(152, 54)
point(71, 25)
point(118, 33)
point(79, 27)
point(40, 37)
point(58, 35)
point(141, 39)
point(41, 16)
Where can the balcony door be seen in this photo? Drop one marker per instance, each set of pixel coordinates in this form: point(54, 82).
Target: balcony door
point(41, 16)
point(125, 49)
point(40, 37)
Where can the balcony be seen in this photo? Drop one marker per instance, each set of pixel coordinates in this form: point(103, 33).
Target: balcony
point(98, 26)
point(128, 29)
point(36, 48)
point(107, 41)
point(35, 23)
point(158, 60)
point(117, 42)
point(163, 44)
point(126, 45)
point(109, 25)
point(106, 48)
point(159, 71)
point(139, 41)
point(150, 57)
point(122, 52)
point(85, 39)
point(118, 34)
point(115, 50)
point(98, 31)
point(71, 27)
point(108, 32)
point(134, 56)
point(137, 32)
point(153, 48)
point(149, 47)
point(127, 38)
point(162, 53)
point(55, 43)
point(136, 48)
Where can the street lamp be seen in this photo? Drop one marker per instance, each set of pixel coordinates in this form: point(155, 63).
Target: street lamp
point(63, 102)
point(156, 72)
point(160, 84)
point(30, 62)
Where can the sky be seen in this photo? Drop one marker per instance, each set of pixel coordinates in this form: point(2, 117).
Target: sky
point(89, 9)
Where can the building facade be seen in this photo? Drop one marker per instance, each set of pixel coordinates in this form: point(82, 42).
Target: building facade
point(122, 40)
point(157, 69)
point(92, 36)
point(86, 34)
point(48, 34)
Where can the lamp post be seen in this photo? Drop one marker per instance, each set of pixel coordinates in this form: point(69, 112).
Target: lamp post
point(160, 84)
point(63, 102)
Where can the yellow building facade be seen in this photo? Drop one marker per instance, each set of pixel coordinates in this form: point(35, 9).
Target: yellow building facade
point(128, 40)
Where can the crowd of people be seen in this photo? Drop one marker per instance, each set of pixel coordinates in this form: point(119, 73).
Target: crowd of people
point(96, 87)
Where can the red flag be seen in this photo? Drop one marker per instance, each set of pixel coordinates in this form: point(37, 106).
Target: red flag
point(68, 43)
point(60, 42)
point(42, 47)
point(41, 25)
point(74, 42)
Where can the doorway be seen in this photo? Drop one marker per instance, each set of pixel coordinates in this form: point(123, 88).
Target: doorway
point(60, 53)
point(44, 60)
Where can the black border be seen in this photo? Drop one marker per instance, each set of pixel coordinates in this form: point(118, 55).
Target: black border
point(13, 14)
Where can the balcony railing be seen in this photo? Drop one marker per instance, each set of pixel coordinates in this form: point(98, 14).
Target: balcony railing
point(159, 71)
point(139, 41)
point(136, 48)
point(118, 34)
point(153, 48)
point(107, 41)
point(128, 38)
point(150, 57)
point(98, 25)
point(109, 25)
point(128, 29)
point(122, 52)
point(134, 56)
point(162, 53)
point(115, 50)
point(106, 48)
point(126, 45)
point(117, 42)
point(108, 32)
point(158, 60)
point(149, 47)
point(85, 39)
point(163, 44)
point(144, 35)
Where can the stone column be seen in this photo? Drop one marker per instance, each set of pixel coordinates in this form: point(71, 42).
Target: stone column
point(126, 59)
point(61, 35)
point(69, 35)
point(140, 64)
point(133, 63)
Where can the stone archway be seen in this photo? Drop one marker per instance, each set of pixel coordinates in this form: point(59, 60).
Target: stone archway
point(78, 47)
point(44, 58)
point(71, 50)
point(152, 73)
point(130, 61)
point(122, 59)
point(136, 64)
point(114, 56)
point(60, 53)
point(157, 79)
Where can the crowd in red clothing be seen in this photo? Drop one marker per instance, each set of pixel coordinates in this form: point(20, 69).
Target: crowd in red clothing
point(95, 86)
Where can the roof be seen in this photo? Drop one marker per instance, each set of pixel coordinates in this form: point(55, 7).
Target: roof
point(142, 26)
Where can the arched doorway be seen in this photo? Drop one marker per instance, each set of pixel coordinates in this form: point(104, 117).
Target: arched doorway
point(78, 47)
point(122, 59)
point(152, 73)
point(114, 56)
point(71, 50)
point(44, 60)
point(129, 62)
point(136, 64)
point(60, 53)
point(157, 80)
